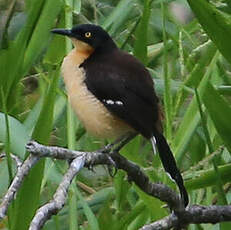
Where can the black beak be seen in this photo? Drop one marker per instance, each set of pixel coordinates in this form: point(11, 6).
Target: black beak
point(62, 32)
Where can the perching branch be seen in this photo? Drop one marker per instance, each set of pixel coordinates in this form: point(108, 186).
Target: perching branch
point(180, 217)
point(134, 172)
point(16, 183)
point(46, 211)
point(17, 160)
point(195, 214)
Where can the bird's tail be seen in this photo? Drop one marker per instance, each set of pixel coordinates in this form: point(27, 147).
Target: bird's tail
point(169, 164)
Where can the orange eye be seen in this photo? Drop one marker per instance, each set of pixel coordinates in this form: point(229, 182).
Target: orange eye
point(88, 34)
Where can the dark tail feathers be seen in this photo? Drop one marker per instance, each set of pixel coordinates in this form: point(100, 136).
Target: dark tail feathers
point(169, 164)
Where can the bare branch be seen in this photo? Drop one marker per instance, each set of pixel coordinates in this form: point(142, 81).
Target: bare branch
point(17, 160)
point(160, 191)
point(134, 172)
point(88, 159)
point(178, 219)
point(51, 151)
point(46, 211)
point(195, 214)
point(15, 185)
point(166, 223)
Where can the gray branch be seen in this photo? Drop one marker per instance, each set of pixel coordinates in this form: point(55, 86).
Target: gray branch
point(178, 219)
point(46, 211)
point(17, 160)
point(23, 170)
point(135, 174)
point(195, 214)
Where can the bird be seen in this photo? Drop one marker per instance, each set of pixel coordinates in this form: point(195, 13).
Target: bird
point(113, 93)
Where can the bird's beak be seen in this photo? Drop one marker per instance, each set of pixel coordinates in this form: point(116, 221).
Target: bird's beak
point(62, 32)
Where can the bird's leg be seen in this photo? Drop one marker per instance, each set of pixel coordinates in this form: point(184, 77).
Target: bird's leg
point(118, 143)
point(115, 147)
point(108, 147)
point(124, 140)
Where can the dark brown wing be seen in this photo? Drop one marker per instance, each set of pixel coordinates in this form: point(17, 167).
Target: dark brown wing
point(125, 87)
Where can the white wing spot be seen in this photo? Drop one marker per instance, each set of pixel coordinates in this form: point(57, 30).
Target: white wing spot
point(111, 102)
point(119, 102)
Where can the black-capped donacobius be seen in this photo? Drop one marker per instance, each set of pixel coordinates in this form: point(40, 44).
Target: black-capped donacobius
point(113, 94)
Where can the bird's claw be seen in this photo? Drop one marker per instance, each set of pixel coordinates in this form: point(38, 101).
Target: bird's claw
point(106, 149)
point(111, 165)
point(31, 146)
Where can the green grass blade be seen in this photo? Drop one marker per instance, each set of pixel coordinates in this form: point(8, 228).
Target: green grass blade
point(42, 31)
point(33, 116)
point(191, 117)
point(11, 60)
point(28, 196)
point(215, 23)
point(205, 178)
point(77, 6)
point(71, 124)
point(150, 202)
point(118, 16)
point(92, 220)
point(141, 33)
point(126, 220)
point(121, 187)
point(220, 190)
point(220, 112)
point(206, 52)
point(131, 32)
point(167, 80)
point(73, 217)
point(7, 139)
point(19, 136)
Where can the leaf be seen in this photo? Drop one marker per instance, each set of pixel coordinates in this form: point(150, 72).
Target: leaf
point(28, 196)
point(11, 60)
point(54, 55)
point(93, 223)
point(191, 118)
point(151, 202)
point(126, 220)
point(220, 112)
point(167, 80)
point(216, 24)
point(33, 116)
point(121, 187)
point(141, 33)
point(207, 178)
point(219, 188)
point(77, 6)
point(19, 135)
point(118, 15)
point(41, 31)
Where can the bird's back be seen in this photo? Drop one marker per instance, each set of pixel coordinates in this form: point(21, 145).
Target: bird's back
point(119, 76)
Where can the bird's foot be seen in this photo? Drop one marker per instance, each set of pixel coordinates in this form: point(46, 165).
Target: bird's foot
point(117, 144)
point(111, 166)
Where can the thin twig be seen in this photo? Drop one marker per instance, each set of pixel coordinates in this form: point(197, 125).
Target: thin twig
point(15, 185)
point(17, 160)
point(46, 211)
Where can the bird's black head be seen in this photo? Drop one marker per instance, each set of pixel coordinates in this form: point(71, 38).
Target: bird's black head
point(93, 35)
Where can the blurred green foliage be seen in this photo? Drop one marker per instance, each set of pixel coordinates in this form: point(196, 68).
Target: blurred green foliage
point(183, 53)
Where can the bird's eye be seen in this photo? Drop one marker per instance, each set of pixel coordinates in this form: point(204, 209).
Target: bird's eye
point(88, 34)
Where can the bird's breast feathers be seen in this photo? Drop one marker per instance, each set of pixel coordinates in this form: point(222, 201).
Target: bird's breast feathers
point(91, 112)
